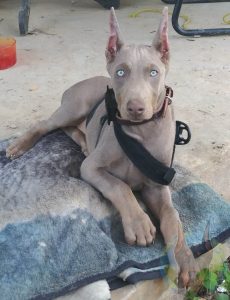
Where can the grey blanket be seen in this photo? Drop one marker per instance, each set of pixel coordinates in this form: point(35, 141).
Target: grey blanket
point(57, 233)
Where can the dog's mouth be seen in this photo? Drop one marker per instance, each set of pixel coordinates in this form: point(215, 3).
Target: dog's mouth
point(123, 113)
point(136, 119)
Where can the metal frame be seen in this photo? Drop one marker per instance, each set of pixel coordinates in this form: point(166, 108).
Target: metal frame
point(195, 1)
point(24, 13)
point(194, 32)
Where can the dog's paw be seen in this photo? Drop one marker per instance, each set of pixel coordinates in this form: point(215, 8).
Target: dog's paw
point(14, 150)
point(139, 229)
point(187, 266)
point(21, 145)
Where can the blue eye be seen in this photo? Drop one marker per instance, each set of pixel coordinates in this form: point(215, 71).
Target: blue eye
point(153, 73)
point(120, 73)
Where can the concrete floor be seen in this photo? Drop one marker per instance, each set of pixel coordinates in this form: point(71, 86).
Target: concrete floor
point(67, 44)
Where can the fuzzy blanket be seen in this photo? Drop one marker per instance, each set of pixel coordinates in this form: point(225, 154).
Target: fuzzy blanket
point(57, 233)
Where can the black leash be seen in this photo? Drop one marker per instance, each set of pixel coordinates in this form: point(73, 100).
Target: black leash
point(142, 159)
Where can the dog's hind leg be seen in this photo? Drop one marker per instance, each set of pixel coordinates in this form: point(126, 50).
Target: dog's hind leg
point(77, 102)
point(22, 144)
point(78, 137)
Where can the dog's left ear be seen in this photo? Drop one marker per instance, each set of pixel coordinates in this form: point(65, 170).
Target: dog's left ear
point(160, 41)
point(115, 41)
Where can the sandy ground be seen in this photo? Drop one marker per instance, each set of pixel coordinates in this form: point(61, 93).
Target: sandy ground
point(67, 45)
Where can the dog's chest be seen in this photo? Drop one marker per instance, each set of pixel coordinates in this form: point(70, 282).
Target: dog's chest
point(125, 170)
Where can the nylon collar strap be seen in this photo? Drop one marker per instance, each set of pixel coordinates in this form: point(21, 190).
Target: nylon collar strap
point(140, 157)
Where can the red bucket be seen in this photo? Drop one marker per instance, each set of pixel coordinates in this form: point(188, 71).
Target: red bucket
point(7, 52)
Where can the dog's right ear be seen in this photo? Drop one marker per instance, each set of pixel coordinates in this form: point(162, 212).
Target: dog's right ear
point(160, 41)
point(115, 41)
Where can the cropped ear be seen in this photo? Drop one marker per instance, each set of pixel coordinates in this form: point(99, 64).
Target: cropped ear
point(115, 41)
point(160, 42)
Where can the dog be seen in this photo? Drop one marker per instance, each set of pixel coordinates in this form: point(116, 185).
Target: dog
point(137, 76)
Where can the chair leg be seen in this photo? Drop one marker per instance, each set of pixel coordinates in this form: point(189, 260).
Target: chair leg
point(23, 16)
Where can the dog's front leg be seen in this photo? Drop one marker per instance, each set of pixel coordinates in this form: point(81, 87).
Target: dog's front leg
point(137, 225)
point(158, 199)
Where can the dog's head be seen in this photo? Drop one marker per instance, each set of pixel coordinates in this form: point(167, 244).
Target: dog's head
point(138, 72)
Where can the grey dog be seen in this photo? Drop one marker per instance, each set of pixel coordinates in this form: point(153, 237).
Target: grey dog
point(137, 75)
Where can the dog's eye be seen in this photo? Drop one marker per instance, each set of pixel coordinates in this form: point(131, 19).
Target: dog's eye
point(120, 73)
point(153, 73)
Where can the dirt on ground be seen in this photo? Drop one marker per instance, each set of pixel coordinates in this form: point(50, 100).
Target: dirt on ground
point(66, 44)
